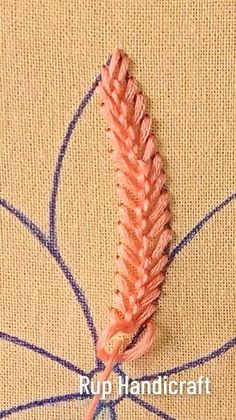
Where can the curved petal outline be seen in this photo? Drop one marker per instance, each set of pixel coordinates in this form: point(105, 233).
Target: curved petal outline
point(31, 226)
point(36, 349)
point(40, 403)
point(62, 152)
point(193, 232)
point(50, 243)
point(193, 363)
point(38, 234)
point(61, 155)
point(151, 408)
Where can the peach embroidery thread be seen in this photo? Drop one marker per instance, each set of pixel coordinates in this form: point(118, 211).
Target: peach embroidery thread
point(144, 216)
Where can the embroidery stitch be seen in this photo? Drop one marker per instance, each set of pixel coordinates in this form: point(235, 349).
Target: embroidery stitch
point(39, 235)
point(144, 216)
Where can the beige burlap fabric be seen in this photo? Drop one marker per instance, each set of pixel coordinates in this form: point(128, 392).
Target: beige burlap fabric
point(183, 57)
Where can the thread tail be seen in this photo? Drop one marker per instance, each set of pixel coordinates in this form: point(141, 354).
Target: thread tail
point(104, 376)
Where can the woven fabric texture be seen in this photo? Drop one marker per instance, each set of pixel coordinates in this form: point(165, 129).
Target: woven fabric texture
point(58, 223)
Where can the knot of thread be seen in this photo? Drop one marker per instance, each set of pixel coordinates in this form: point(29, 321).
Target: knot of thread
point(132, 353)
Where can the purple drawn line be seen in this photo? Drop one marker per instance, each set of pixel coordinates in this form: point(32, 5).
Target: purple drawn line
point(40, 403)
point(113, 415)
point(61, 155)
point(38, 234)
point(193, 232)
point(110, 406)
point(32, 227)
point(135, 338)
point(62, 152)
point(193, 363)
point(94, 371)
point(105, 406)
point(65, 363)
point(100, 407)
point(115, 401)
point(150, 407)
point(77, 291)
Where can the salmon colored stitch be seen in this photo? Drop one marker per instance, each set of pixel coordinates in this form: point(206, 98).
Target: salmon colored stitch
point(144, 216)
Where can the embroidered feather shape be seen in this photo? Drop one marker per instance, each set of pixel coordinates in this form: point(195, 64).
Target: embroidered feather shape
point(144, 215)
